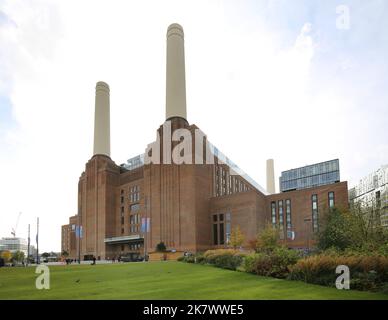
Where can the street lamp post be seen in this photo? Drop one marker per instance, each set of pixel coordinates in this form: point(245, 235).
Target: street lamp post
point(28, 248)
point(37, 240)
point(79, 243)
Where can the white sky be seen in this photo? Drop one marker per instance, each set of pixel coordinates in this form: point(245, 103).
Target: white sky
point(265, 79)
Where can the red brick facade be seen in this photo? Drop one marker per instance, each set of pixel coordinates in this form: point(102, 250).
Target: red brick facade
point(180, 201)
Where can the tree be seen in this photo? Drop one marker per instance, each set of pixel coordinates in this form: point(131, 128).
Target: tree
point(357, 229)
point(368, 232)
point(65, 253)
point(268, 239)
point(161, 247)
point(45, 254)
point(236, 237)
point(334, 230)
point(18, 256)
point(6, 255)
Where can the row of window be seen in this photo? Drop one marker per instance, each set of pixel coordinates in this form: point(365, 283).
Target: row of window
point(135, 246)
point(227, 184)
point(134, 219)
point(308, 182)
point(132, 229)
point(132, 247)
point(134, 194)
point(280, 214)
point(132, 208)
point(311, 170)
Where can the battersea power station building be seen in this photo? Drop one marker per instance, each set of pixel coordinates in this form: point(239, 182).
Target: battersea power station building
point(184, 192)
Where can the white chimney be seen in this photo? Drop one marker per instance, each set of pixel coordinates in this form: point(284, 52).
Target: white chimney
point(175, 73)
point(102, 120)
point(270, 177)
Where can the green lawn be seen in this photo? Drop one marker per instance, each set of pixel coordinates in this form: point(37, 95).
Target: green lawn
point(161, 280)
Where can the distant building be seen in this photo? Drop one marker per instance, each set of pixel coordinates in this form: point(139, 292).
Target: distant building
point(69, 239)
point(306, 193)
point(310, 176)
point(372, 190)
point(14, 244)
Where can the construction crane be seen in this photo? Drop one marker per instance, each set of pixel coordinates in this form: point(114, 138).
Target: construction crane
point(16, 225)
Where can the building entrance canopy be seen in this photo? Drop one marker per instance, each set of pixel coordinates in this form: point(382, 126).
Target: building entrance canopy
point(123, 239)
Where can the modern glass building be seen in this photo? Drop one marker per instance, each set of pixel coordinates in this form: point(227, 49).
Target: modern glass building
point(372, 191)
point(310, 176)
point(14, 244)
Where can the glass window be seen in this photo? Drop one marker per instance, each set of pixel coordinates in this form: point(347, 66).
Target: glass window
point(288, 214)
point(314, 204)
point(281, 214)
point(273, 213)
point(281, 219)
point(134, 207)
point(215, 234)
point(219, 230)
point(228, 231)
point(331, 200)
point(222, 233)
point(134, 193)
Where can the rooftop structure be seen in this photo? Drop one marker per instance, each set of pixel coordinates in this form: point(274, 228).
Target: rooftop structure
point(310, 176)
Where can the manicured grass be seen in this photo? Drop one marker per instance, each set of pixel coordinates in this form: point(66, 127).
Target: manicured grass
point(161, 280)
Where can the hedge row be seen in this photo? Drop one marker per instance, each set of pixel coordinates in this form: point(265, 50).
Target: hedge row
point(366, 272)
point(222, 258)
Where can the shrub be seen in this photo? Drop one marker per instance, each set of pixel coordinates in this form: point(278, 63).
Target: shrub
point(224, 258)
point(366, 272)
point(236, 237)
point(383, 250)
point(161, 247)
point(190, 259)
point(197, 258)
point(268, 239)
point(200, 259)
point(271, 264)
point(231, 262)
